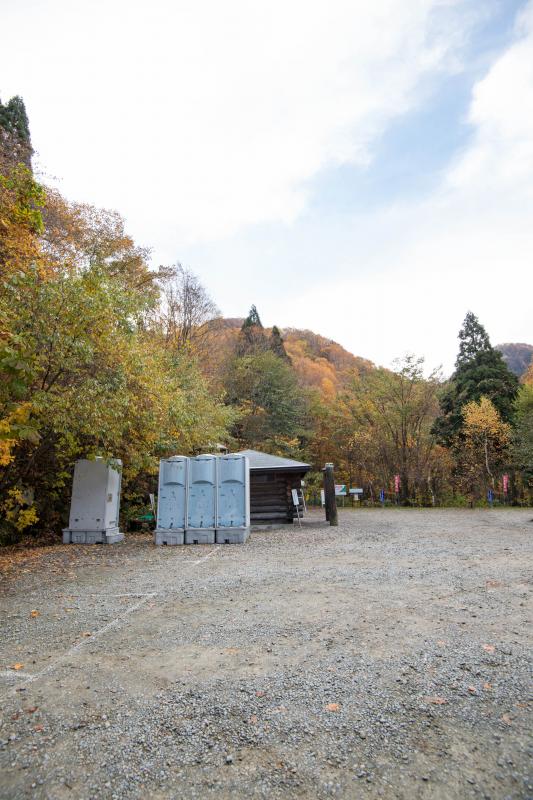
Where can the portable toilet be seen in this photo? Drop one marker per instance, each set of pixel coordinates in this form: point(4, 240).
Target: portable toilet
point(233, 499)
point(201, 497)
point(95, 503)
point(171, 500)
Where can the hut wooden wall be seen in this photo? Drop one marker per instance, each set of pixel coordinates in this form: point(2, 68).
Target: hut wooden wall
point(270, 497)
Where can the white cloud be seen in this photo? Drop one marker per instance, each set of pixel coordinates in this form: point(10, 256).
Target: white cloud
point(198, 118)
point(468, 245)
point(501, 154)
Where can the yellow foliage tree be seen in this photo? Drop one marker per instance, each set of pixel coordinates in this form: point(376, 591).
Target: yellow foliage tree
point(483, 448)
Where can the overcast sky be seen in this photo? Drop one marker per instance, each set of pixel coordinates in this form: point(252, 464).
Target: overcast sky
point(362, 169)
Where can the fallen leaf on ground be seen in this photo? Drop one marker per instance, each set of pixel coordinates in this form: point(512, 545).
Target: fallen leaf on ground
point(38, 728)
point(489, 648)
point(15, 716)
point(493, 584)
point(259, 693)
point(253, 719)
point(232, 651)
point(333, 707)
point(35, 613)
point(441, 643)
point(487, 685)
point(31, 710)
point(86, 633)
point(437, 701)
point(472, 690)
point(17, 666)
point(507, 719)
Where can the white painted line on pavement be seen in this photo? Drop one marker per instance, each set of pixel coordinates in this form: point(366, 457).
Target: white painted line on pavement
point(96, 635)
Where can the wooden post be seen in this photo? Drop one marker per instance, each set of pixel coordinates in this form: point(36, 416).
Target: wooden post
point(329, 491)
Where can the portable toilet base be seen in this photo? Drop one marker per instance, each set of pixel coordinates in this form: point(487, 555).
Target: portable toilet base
point(108, 536)
point(232, 535)
point(200, 536)
point(169, 536)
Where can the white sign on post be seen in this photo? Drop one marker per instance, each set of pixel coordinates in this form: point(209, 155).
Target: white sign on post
point(296, 503)
point(322, 497)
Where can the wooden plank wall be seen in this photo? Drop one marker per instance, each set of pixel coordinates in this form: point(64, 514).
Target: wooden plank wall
point(270, 497)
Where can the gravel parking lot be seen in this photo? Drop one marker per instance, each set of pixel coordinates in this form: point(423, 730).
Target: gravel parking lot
point(389, 657)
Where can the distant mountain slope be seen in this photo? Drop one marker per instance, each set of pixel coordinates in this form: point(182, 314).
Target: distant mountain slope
point(319, 362)
point(322, 363)
point(517, 356)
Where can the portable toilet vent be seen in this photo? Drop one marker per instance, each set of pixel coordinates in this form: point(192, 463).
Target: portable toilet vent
point(201, 498)
point(233, 499)
point(172, 501)
point(95, 504)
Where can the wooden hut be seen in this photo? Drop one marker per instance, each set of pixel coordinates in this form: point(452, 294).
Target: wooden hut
point(271, 481)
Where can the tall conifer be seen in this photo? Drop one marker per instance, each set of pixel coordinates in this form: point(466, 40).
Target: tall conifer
point(480, 371)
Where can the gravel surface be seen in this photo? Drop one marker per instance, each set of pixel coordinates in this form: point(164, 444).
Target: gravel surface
point(388, 658)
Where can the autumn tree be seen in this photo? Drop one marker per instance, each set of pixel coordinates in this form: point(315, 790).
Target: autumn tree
point(185, 309)
point(392, 417)
point(84, 369)
point(79, 236)
point(480, 371)
point(21, 222)
point(21, 203)
point(527, 377)
point(523, 431)
point(483, 447)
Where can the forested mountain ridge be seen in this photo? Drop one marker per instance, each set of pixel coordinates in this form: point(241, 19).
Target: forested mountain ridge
point(320, 363)
point(517, 355)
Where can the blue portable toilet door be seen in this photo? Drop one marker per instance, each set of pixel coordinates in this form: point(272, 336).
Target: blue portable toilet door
point(201, 506)
point(231, 505)
point(172, 494)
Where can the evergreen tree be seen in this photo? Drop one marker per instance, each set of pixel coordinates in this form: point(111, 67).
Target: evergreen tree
point(473, 339)
point(480, 371)
point(252, 319)
point(252, 337)
point(276, 344)
point(272, 407)
point(15, 143)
